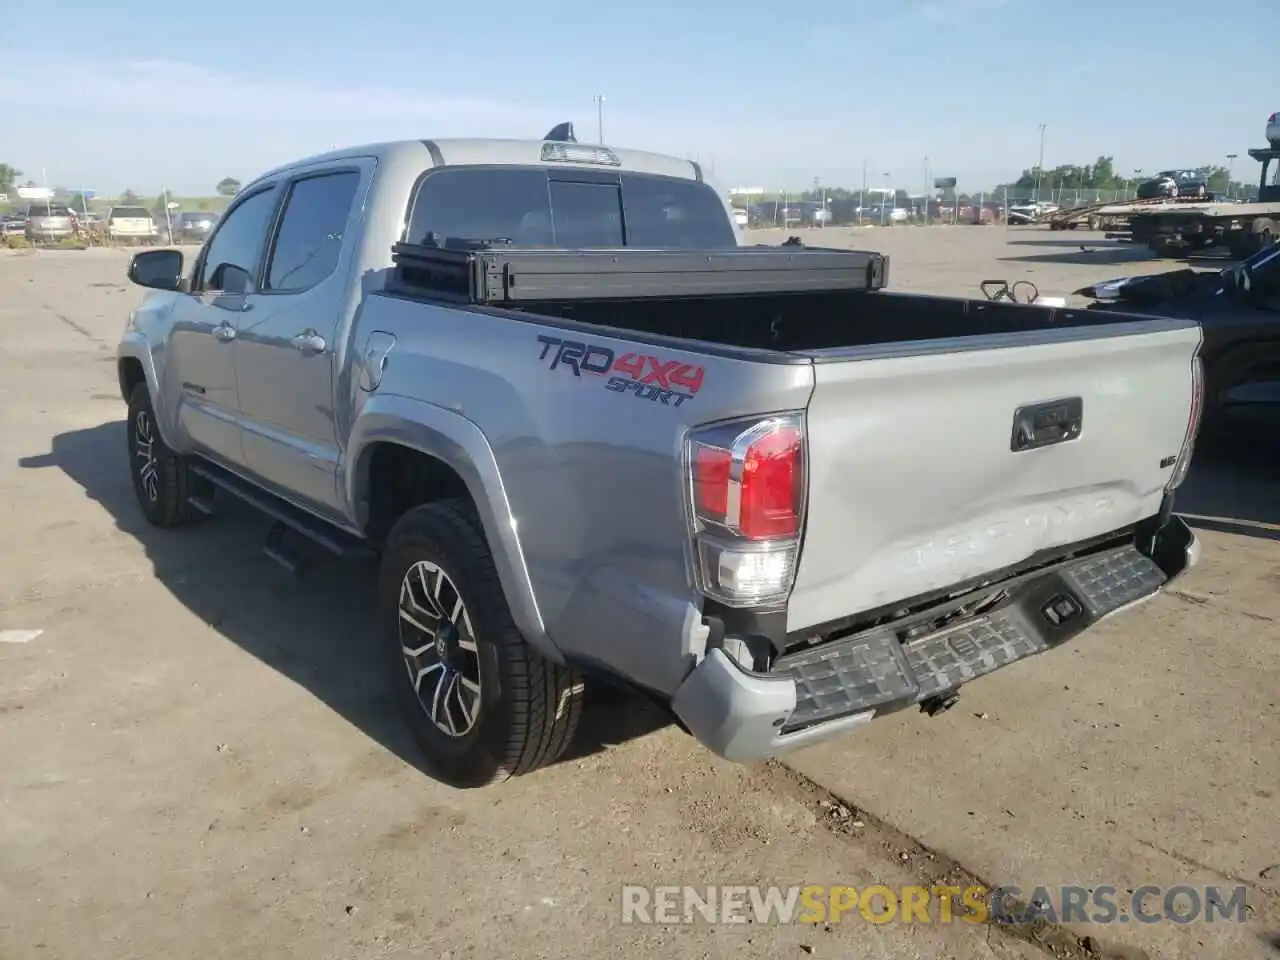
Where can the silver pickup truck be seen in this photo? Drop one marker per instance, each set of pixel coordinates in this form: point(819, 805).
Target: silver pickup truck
point(591, 434)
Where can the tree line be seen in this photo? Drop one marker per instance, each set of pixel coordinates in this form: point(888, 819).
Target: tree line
point(11, 179)
point(1101, 176)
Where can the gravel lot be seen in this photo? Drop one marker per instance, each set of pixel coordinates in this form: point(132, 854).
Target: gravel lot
point(198, 760)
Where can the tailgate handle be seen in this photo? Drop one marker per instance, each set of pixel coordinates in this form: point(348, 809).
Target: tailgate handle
point(1044, 424)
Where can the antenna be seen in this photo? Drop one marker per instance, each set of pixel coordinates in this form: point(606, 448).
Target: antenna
point(561, 133)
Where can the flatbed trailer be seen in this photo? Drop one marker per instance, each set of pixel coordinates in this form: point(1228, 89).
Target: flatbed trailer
point(1173, 229)
point(1087, 215)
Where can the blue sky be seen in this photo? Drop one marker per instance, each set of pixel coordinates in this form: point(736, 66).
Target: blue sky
point(762, 93)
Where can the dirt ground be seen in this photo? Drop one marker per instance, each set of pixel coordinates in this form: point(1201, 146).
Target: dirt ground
point(197, 758)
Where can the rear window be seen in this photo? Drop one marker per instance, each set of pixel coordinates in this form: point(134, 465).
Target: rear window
point(130, 213)
point(531, 206)
point(47, 210)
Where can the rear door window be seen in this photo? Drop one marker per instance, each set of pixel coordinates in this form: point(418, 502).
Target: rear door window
point(309, 239)
point(462, 207)
point(130, 213)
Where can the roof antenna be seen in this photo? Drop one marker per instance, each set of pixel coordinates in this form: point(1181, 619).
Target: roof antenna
point(561, 133)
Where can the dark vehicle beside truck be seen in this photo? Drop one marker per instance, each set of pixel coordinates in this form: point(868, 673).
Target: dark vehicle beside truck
point(1238, 309)
point(590, 436)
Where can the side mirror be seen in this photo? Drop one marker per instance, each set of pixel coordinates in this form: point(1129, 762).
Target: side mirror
point(157, 269)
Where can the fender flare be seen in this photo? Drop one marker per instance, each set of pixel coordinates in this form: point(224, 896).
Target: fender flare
point(134, 346)
point(457, 442)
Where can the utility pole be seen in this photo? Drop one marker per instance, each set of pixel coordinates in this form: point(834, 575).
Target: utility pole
point(1040, 162)
point(599, 100)
point(862, 196)
point(1231, 162)
point(927, 191)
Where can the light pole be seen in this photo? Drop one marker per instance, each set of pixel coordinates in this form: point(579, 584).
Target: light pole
point(820, 195)
point(599, 101)
point(926, 190)
point(1231, 162)
point(1040, 162)
point(862, 196)
point(885, 199)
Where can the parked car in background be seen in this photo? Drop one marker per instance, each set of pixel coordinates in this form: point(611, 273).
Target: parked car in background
point(196, 225)
point(11, 226)
point(47, 221)
point(1029, 211)
point(740, 218)
point(131, 223)
point(1173, 183)
point(885, 213)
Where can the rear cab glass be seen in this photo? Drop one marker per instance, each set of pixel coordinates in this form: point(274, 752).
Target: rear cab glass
point(47, 210)
point(130, 213)
point(461, 207)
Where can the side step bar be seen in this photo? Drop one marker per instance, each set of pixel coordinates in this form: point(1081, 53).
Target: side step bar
point(287, 517)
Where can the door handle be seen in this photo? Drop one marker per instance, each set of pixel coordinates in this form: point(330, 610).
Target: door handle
point(224, 333)
point(308, 341)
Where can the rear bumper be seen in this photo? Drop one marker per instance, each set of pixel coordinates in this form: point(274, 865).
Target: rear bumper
point(824, 691)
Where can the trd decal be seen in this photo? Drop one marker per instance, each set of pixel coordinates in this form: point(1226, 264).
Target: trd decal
point(644, 377)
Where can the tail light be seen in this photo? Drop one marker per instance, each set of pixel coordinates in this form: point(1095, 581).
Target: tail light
point(1183, 463)
point(746, 502)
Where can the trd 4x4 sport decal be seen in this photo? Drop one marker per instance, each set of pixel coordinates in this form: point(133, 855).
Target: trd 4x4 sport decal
point(644, 377)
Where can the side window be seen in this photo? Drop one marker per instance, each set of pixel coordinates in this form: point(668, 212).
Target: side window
point(310, 235)
point(233, 252)
point(460, 205)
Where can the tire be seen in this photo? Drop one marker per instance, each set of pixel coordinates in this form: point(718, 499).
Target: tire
point(162, 480)
point(501, 709)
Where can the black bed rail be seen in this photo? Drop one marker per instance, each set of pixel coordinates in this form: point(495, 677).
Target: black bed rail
point(506, 275)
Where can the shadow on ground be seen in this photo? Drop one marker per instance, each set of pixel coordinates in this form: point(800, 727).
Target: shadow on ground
point(1084, 253)
point(1074, 242)
point(315, 628)
point(1234, 484)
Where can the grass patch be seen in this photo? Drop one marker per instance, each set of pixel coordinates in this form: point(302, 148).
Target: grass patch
point(15, 243)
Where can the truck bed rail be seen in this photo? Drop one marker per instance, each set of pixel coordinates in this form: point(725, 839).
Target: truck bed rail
point(510, 276)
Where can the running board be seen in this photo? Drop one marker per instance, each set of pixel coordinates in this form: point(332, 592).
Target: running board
point(287, 517)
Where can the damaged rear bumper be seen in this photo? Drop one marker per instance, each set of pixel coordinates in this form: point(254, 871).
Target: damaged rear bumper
point(821, 692)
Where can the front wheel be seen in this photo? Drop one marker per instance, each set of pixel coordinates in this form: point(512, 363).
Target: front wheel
point(162, 480)
point(482, 704)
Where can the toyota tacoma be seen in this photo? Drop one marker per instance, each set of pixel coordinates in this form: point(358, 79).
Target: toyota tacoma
point(589, 433)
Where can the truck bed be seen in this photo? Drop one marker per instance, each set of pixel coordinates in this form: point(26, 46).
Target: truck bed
point(947, 438)
point(790, 299)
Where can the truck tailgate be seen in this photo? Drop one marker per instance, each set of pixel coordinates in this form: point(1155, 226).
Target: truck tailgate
point(914, 483)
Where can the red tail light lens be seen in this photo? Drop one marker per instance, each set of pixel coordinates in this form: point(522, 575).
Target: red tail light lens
point(769, 504)
point(753, 485)
point(711, 469)
point(746, 494)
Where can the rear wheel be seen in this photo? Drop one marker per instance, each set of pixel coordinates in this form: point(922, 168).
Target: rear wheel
point(482, 704)
point(162, 480)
